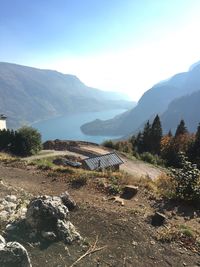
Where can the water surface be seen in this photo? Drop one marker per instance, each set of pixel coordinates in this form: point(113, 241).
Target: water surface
point(68, 126)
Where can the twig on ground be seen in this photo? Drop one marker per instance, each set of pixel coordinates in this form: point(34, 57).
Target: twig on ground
point(92, 249)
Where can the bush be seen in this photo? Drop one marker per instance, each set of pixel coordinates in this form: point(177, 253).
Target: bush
point(148, 157)
point(27, 141)
point(187, 180)
point(109, 144)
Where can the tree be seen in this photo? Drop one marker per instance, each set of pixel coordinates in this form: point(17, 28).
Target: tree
point(181, 129)
point(194, 149)
point(147, 137)
point(155, 136)
point(27, 141)
point(170, 133)
point(138, 145)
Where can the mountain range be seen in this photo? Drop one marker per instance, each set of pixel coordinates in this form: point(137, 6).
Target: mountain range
point(29, 94)
point(173, 99)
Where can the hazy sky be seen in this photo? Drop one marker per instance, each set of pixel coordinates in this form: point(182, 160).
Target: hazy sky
point(120, 45)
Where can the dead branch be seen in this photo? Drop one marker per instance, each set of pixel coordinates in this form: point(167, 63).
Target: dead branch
point(92, 249)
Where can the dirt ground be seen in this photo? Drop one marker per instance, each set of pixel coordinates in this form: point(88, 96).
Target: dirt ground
point(125, 231)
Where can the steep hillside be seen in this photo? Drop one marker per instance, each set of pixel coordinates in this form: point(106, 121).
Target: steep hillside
point(154, 101)
point(29, 94)
point(187, 108)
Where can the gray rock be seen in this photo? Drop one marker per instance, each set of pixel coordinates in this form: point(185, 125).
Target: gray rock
point(2, 240)
point(13, 254)
point(49, 217)
point(49, 235)
point(68, 201)
point(67, 231)
point(11, 198)
point(44, 212)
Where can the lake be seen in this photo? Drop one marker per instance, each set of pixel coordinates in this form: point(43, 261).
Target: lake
point(68, 126)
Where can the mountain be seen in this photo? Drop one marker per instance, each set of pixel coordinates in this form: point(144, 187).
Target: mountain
point(155, 101)
point(187, 108)
point(29, 94)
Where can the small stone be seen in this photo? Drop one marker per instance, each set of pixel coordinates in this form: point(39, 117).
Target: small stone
point(11, 198)
point(68, 201)
point(49, 236)
point(2, 240)
point(134, 243)
point(152, 242)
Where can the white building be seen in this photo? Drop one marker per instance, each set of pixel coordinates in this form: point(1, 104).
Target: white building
point(2, 122)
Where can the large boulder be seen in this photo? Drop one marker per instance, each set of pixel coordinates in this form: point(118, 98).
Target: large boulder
point(49, 217)
point(13, 254)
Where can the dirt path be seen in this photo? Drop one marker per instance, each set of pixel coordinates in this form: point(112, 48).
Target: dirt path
point(133, 167)
point(52, 153)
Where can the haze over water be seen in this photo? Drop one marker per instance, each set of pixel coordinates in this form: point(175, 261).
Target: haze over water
point(68, 127)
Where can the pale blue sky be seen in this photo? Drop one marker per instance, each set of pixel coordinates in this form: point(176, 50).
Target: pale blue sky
point(121, 45)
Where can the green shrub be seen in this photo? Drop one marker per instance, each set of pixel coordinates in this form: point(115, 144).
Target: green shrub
point(109, 144)
point(27, 141)
point(187, 180)
point(148, 157)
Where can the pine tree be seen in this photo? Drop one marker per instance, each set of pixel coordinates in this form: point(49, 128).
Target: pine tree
point(194, 151)
point(170, 133)
point(147, 137)
point(181, 129)
point(156, 136)
point(139, 145)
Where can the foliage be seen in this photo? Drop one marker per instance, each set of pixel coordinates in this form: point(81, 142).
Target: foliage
point(26, 141)
point(149, 140)
point(114, 187)
point(152, 159)
point(156, 135)
point(187, 180)
point(181, 129)
point(166, 186)
point(108, 143)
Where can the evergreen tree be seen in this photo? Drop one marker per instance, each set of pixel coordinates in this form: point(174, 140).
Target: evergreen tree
point(194, 150)
point(147, 137)
point(181, 129)
point(170, 133)
point(156, 136)
point(139, 144)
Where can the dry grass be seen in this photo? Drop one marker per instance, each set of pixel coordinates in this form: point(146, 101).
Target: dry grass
point(165, 186)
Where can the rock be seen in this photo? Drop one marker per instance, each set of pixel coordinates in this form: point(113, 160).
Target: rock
point(158, 219)
point(43, 212)
point(13, 254)
point(49, 216)
point(68, 201)
point(10, 227)
point(49, 236)
point(129, 191)
point(10, 207)
point(2, 240)
point(67, 231)
point(11, 198)
point(4, 215)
